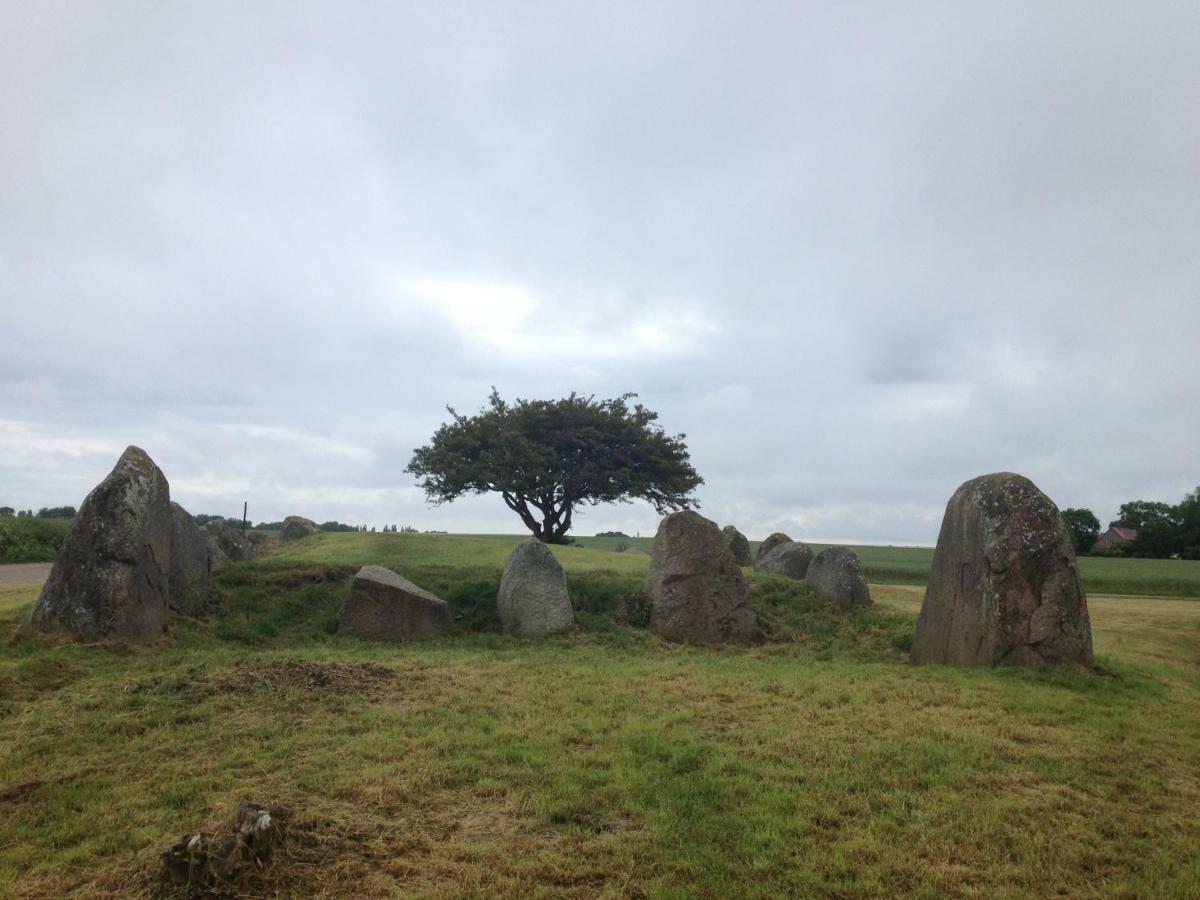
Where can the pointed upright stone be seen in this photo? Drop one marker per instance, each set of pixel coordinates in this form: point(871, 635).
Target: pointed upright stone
point(735, 542)
point(111, 578)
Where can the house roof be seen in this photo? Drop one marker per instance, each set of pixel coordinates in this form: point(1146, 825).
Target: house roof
point(1125, 534)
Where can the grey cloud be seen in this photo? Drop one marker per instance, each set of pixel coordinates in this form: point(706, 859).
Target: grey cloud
point(857, 254)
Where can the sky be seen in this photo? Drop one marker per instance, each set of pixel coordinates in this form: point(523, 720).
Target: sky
point(858, 253)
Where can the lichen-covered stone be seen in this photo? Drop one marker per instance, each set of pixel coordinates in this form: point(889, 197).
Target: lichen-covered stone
point(790, 559)
point(226, 545)
point(190, 564)
point(297, 527)
point(533, 600)
point(836, 576)
point(1004, 588)
point(735, 542)
point(385, 606)
point(699, 594)
point(111, 577)
point(770, 544)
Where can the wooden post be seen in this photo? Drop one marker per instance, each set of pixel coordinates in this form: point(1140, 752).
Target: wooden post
point(245, 506)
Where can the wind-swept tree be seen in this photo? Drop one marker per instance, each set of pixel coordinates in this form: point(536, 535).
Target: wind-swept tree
point(548, 457)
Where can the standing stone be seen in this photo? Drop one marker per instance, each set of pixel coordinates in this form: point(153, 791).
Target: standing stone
point(697, 590)
point(384, 606)
point(771, 543)
point(735, 542)
point(191, 564)
point(533, 597)
point(1004, 588)
point(111, 577)
point(296, 527)
point(225, 544)
point(790, 559)
point(836, 576)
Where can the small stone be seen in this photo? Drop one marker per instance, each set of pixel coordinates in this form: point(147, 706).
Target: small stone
point(735, 542)
point(191, 564)
point(533, 600)
point(297, 527)
point(836, 576)
point(385, 606)
point(790, 559)
point(771, 543)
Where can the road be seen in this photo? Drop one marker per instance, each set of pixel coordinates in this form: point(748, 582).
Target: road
point(24, 573)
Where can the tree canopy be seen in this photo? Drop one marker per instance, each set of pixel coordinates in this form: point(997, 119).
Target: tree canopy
point(547, 457)
point(1083, 527)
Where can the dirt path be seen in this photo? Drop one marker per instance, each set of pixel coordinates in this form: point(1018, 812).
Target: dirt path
point(24, 573)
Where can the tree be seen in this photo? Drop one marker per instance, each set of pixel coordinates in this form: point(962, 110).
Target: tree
point(1084, 528)
point(1137, 514)
point(56, 512)
point(548, 457)
point(7, 511)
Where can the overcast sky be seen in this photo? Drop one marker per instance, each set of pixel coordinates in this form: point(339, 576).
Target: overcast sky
point(858, 252)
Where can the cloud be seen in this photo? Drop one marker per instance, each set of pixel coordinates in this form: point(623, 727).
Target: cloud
point(858, 257)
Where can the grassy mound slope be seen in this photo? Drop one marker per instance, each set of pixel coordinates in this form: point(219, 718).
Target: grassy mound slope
point(603, 763)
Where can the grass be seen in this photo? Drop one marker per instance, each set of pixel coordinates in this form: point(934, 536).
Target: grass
point(604, 763)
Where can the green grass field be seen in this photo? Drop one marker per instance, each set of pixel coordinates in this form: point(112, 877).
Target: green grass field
point(1101, 575)
point(605, 763)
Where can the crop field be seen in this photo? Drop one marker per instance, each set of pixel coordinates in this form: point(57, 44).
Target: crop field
point(605, 763)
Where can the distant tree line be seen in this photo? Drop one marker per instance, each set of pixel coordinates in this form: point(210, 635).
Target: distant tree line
point(1163, 530)
point(51, 512)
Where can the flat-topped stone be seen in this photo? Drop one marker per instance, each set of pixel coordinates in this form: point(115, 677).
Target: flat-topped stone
point(385, 606)
point(1004, 587)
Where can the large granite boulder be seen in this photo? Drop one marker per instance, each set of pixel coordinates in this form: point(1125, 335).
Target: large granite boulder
point(111, 578)
point(296, 527)
point(790, 559)
point(771, 543)
point(735, 542)
point(533, 599)
point(1005, 587)
point(384, 606)
point(697, 590)
point(190, 568)
point(836, 576)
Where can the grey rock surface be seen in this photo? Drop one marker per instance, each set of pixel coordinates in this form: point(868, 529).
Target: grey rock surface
point(735, 542)
point(226, 544)
point(699, 594)
point(836, 575)
point(111, 576)
point(1004, 588)
point(296, 527)
point(771, 543)
point(385, 606)
point(533, 600)
point(190, 569)
point(791, 559)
